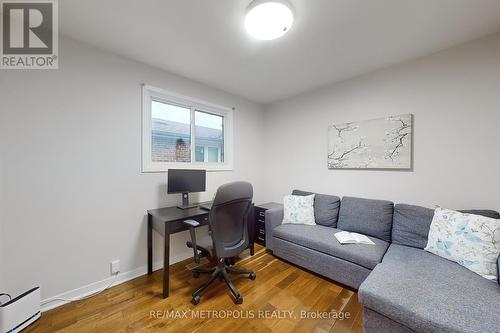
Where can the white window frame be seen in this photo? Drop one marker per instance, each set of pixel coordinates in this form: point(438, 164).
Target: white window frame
point(150, 93)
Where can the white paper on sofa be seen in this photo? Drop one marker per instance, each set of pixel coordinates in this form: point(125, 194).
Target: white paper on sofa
point(345, 237)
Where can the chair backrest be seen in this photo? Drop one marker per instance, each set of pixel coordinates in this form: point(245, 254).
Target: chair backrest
point(228, 218)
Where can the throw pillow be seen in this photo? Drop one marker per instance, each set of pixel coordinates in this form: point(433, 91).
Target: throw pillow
point(298, 209)
point(326, 208)
point(472, 241)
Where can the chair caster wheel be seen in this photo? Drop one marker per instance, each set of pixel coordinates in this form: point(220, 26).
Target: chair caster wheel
point(239, 300)
point(195, 300)
point(196, 274)
point(252, 276)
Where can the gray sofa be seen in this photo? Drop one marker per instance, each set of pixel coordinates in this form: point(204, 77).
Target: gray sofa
point(402, 287)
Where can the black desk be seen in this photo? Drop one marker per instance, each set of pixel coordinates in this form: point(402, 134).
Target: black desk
point(168, 221)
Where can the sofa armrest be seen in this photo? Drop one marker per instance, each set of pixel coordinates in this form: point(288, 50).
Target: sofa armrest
point(274, 217)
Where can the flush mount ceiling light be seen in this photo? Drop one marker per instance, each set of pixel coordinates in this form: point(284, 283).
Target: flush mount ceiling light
point(268, 19)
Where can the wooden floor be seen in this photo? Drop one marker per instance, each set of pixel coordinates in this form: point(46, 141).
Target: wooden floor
point(272, 303)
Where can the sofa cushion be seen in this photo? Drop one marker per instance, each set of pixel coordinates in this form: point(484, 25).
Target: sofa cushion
point(467, 239)
point(366, 216)
point(492, 214)
point(326, 208)
point(411, 225)
point(430, 294)
point(322, 239)
point(298, 209)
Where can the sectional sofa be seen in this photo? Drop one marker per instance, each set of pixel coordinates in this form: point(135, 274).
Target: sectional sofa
point(402, 287)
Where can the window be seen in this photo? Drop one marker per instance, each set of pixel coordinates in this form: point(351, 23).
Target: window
point(170, 133)
point(209, 136)
point(182, 132)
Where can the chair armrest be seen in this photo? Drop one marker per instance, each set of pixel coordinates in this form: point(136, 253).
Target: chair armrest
point(191, 225)
point(274, 217)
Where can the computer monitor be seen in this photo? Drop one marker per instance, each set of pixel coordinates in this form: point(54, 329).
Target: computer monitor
point(185, 182)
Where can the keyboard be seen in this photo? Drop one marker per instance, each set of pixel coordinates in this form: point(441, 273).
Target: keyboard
point(206, 205)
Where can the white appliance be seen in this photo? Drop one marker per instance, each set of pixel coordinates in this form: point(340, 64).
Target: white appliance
point(20, 311)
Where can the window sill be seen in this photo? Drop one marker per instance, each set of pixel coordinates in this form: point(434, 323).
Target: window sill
point(164, 167)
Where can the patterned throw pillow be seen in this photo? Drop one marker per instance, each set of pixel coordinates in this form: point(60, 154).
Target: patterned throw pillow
point(298, 209)
point(473, 241)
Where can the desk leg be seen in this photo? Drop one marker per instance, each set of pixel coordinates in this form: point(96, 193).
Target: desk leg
point(150, 244)
point(251, 219)
point(166, 262)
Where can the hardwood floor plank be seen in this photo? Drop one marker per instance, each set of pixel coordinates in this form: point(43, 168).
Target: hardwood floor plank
point(353, 308)
point(272, 303)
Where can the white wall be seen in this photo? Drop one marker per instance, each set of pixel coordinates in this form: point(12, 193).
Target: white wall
point(75, 198)
point(2, 221)
point(455, 98)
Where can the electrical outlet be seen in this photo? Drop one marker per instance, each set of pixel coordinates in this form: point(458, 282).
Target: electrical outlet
point(115, 267)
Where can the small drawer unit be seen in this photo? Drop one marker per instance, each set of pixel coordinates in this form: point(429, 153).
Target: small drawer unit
point(260, 222)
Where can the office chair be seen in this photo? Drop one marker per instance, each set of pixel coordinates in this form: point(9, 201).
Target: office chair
point(228, 221)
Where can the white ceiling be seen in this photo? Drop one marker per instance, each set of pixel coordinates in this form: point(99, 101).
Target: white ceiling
point(330, 41)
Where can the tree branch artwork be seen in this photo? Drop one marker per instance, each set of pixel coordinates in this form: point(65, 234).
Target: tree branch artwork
point(397, 137)
point(344, 128)
point(383, 143)
point(337, 161)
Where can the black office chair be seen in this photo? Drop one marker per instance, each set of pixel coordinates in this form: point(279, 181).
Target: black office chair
point(228, 221)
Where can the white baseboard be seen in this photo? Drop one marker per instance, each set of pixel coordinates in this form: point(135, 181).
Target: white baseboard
point(75, 294)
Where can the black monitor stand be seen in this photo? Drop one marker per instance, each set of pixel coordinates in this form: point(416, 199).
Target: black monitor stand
point(185, 202)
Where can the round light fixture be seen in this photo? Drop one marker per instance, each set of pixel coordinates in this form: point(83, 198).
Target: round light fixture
point(268, 19)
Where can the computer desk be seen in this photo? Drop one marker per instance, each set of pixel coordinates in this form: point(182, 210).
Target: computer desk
point(169, 220)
